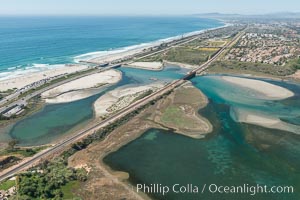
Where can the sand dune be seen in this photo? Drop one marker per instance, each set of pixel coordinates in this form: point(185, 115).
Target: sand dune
point(266, 90)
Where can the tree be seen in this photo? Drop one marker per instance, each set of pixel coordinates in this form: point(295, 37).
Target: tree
point(12, 144)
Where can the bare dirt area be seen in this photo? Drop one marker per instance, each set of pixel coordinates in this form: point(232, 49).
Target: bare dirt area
point(104, 183)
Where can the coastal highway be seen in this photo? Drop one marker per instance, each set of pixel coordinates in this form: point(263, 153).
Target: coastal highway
point(27, 163)
point(40, 91)
point(22, 101)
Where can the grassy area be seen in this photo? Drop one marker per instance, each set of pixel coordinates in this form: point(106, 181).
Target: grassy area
point(68, 188)
point(23, 152)
point(188, 55)
point(7, 184)
point(173, 115)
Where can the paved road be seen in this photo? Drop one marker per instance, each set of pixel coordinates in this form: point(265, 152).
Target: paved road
point(38, 92)
point(89, 130)
point(23, 100)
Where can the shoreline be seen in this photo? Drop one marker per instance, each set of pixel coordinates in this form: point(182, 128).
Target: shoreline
point(25, 80)
point(121, 53)
point(113, 55)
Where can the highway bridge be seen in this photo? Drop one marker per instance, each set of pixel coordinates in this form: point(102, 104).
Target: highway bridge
point(122, 113)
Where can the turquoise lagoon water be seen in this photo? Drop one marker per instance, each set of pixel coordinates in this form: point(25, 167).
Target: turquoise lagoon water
point(30, 44)
point(233, 154)
point(55, 120)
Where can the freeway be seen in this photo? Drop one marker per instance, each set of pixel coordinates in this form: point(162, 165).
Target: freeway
point(17, 101)
point(92, 128)
point(40, 91)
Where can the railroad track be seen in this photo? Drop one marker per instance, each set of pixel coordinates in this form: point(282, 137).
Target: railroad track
point(85, 132)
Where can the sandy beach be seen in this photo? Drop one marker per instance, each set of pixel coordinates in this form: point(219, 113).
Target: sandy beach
point(266, 90)
point(27, 79)
point(156, 66)
point(183, 65)
point(113, 55)
point(82, 87)
point(127, 94)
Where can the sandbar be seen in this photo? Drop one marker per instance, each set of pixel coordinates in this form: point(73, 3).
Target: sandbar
point(81, 88)
point(261, 119)
point(267, 90)
point(147, 65)
point(121, 97)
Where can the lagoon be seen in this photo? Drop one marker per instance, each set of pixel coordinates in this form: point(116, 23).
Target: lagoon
point(234, 153)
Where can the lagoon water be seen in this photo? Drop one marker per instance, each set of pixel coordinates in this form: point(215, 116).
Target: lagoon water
point(236, 153)
point(30, 44)
point(233, 154)
point(55, 120)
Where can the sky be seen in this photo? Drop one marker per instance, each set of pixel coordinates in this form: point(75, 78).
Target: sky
point(144, 7)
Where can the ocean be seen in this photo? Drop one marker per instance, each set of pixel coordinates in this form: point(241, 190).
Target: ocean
point(30, 44)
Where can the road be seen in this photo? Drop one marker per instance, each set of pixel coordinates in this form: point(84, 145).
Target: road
point(90, 130)
point(4, 105)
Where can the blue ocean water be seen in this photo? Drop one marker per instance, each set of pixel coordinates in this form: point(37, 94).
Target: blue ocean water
point(26, 41)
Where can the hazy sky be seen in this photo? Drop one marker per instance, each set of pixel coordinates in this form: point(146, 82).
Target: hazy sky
point(144, 7)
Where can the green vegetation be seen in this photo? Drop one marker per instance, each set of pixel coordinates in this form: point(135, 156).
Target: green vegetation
point(193, 56)
point(8, 161)
point(295, 64)
point(102, 133)
point(25, 152)
point(51, 180)
point(54, 179)
point(67, 190)
point(255, 68)
point(7, 184)
point(195, 52)
point(175, 116)
point(13, 154)
point(188, 55)
point(143, 95)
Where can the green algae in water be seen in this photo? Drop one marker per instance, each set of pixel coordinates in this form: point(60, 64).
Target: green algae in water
point(151, 136)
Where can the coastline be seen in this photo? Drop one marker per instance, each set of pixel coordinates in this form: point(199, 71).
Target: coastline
point(119, 53)
point(25, 80)
point(108, 55)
